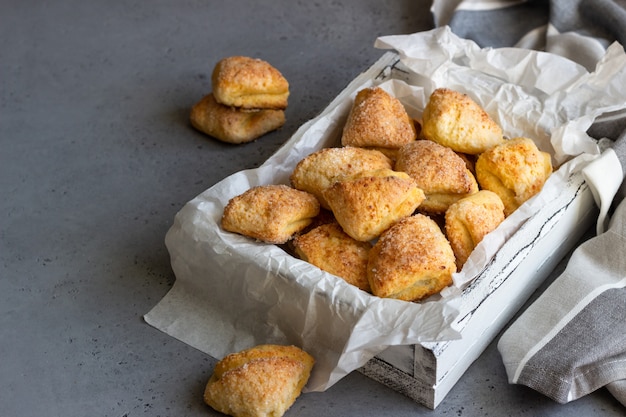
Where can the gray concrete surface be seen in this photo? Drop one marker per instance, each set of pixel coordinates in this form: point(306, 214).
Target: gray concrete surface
point(97, 156)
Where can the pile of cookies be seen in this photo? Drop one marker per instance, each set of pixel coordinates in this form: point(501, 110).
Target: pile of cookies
point(248, 100)
point(400, 205)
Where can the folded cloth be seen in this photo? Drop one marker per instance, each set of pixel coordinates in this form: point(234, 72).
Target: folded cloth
point(572, 339)
point(577, 29)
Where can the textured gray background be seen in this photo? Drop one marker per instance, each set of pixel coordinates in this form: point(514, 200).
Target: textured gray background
point(97, 156)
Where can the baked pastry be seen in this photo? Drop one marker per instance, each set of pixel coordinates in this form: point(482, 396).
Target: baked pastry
point(455, 120)
point(270, 213)
point(377, 120)
point(319, 170)
point(469, 220)
point(249, 83)
point(331, 249)
point(261, 381)
point(439, 171)
point(368, 203)
point(515, 170)
point(411, 260)
point(232, 125)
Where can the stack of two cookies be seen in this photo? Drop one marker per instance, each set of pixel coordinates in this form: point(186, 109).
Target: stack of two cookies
point(248, 100)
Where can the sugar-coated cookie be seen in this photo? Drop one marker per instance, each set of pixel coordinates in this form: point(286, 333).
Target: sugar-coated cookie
point(411, 260)
point(321, 169)
point(377, 120)
point(455, 120)
point(439, 171)
point(515, 170)
point(232, 125)
point(368, 203)
point(331, 249)
point(249, 83)
point(261, 381)
point(270, 213)
point(469, 220)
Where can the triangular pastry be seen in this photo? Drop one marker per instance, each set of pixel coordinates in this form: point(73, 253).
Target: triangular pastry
point(411, 260)
point(439, 171)
point(249, 83)
point(368, 203)
point(515, 170)
point(377, 120)
point(261, 381)
point(455, 120)
point(321, 169)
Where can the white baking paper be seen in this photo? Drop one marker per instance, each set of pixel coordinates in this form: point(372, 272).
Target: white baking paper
point(232, 292)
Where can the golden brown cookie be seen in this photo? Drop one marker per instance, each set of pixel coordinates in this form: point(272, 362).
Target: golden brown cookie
point(319, 170)
point(331, 249)
point(455, 120)
point(469, 220)
point(259, 382)
point(377, 120)
point(439, 171)
point(270, 213)
point(411, 260)
point(515, 170)
point(249, 83)
point(368, 203)
point(232, 125)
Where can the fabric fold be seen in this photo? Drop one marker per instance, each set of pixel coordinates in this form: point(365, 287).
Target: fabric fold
point(572, 339)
